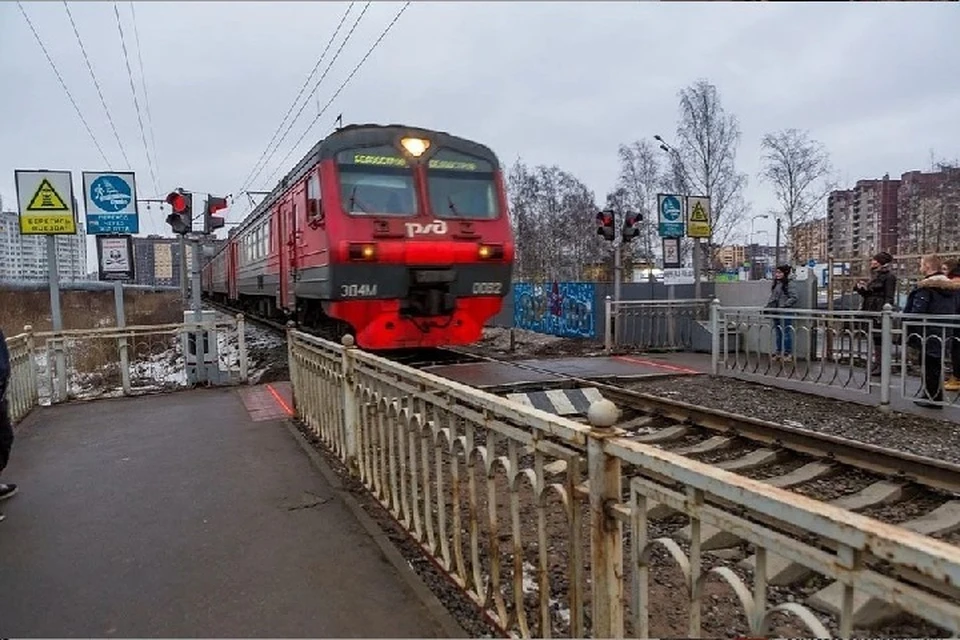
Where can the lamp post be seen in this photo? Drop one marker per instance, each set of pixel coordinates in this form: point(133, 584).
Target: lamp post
point(761, 216)
point(685, 187)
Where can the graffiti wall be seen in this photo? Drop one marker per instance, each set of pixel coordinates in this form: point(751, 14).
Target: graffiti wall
point(561, 308)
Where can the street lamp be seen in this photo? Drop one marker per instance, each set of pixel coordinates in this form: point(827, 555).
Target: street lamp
point(753, 252)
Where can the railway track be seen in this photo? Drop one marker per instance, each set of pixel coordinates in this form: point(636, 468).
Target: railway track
point(897, 487)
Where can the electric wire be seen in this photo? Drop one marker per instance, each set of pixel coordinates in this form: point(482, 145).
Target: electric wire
point(246, 181)
point(315, 87)
point(146, 97)
point(136, 103)
point(64, 85)
point(342, 86)
point(96, 83)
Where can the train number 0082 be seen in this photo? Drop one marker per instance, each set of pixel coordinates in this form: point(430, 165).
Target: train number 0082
point(358, 290)
point(487, 288)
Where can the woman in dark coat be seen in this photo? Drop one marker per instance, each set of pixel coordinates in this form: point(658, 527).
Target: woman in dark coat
point(879, 291)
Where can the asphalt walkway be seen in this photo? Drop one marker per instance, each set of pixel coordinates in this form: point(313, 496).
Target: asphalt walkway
point(194, 514)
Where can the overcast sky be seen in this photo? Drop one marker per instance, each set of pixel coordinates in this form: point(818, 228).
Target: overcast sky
point(553, 83)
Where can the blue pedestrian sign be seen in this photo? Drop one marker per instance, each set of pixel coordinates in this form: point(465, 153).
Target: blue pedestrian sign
point(111, 203)
point(811, 263)
point(670, 211)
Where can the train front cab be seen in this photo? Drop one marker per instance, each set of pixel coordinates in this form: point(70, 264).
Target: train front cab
point(422, 252)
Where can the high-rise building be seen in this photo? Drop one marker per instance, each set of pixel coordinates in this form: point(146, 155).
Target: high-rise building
point(24, 258)
point(808, 240)
point(929, 212)
point(157, 259)
point(863, 220)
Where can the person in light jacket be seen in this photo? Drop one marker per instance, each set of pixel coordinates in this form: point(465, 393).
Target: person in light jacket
point(782, 296)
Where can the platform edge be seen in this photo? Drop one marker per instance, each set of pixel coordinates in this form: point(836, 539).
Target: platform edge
point(444, 619)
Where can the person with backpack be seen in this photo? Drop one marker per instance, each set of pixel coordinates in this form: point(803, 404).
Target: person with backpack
point(6, 426)
point(782, 296)
point(879, 291)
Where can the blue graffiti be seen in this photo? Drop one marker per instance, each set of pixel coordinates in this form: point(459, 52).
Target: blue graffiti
point(563, 309)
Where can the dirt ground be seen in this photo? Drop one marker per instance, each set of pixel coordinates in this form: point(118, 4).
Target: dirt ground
point(529, 344)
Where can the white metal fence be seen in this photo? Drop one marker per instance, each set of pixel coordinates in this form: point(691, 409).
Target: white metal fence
point(51, 367)
point(870, 352)
point(554, 527)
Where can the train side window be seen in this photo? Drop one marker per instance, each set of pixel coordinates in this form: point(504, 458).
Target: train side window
point(314, 203)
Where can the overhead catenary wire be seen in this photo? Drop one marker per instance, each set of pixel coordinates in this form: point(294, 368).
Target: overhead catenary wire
point(340, 89)
point(146, 97)
point(96, 83)
point(136, 103)
point(250, 176)
point(307, 101)
point(64, 85)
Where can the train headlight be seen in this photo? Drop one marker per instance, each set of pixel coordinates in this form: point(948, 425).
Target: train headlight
point(415, 146)
point(490, 251)
point(363, 252)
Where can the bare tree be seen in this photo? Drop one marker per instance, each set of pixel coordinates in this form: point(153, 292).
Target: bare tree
point(707, 141)
point(641, 176)
point(553, 216)
point(798, 168)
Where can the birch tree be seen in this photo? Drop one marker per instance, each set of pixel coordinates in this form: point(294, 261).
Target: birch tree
point(705, 162)
point(798, 168)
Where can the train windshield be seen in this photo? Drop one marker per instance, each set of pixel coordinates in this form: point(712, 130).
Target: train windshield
point(461, 186)
point(376, 182)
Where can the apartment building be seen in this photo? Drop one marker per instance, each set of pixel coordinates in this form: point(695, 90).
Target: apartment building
point(863, 220)
point(808, 240)
point(732, 256)
point(24, 258)
point(928, 212)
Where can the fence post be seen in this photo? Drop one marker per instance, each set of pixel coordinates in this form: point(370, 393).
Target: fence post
point(606, 531)
point(242, 348)
point(608, 325)
point(350, 411)
point(292, 371)
point(886, 355)
point(715, 336)
point(34, 395)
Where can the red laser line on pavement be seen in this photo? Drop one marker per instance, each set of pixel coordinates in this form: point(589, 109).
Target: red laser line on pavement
point(651, 363)
point(276, 396)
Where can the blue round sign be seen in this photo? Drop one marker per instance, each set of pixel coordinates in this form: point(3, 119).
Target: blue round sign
point(110, 193)
point(811, 263)
point(670, 208)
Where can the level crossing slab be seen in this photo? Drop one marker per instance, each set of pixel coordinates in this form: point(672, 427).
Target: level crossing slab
point(504, 373)
point(193, 514)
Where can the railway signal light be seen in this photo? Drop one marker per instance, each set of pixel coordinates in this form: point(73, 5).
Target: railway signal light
point(605, 224)
point(181, 220)
point(630, 228)
point(210, 221)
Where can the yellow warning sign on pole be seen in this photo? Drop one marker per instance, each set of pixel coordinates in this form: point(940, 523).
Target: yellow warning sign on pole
point(698, 217)
point(46, 202)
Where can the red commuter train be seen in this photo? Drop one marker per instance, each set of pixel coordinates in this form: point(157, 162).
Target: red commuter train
point(398, 235)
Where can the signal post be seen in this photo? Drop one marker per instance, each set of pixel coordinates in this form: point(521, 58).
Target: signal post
point(606, 229)
point(201, 352)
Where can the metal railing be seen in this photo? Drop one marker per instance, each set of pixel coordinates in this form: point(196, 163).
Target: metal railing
point(108, 362)
point(654, 325)
point(21, 392)
point(554, 527)
point(852, 350)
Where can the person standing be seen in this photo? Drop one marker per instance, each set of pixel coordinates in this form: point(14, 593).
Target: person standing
point(782, 296)
point(953, 383)
point(879, 291)
point(6, 426)
point(936, 295)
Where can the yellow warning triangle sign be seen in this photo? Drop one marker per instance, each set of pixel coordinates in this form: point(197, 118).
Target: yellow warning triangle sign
point(698, 214)
point(46, 199)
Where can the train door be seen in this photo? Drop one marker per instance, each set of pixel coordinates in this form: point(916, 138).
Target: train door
point(231, 274)
point(288, 242)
